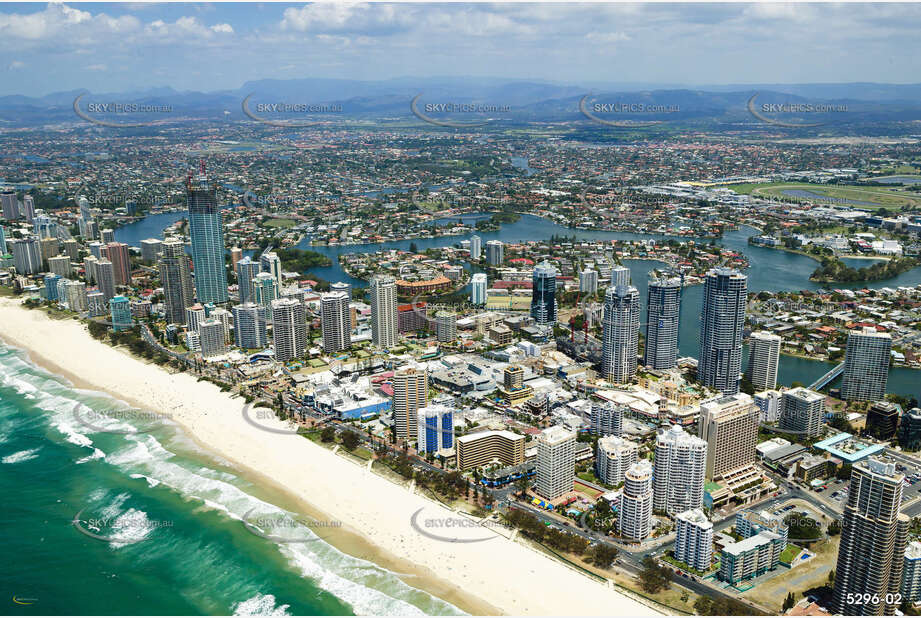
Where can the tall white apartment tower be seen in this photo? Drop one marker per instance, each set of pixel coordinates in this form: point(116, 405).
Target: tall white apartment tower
point(588, 281)
point(874, 535)
point(410, 392)
point(384, 311)
point(763, 358)
point(105, 278)
point(249, 326)
point(802, 411)
point(176, 279)
point(911, 573)
point(336, 322)
point(75, 293)
point(478, 289)
point(212, 338)
point(613, 457)
point(621, 332)
point(620, 275)
point(722, 317)
point(694, 539)
point(247, 269)
point(445, 326)
point(636, 502)
point(556, 462)
point(476, 247)
point(607, 418)
point(289, 330)
point(663, 312)
point(269, 262)
point(680, 466)
point(866, 365)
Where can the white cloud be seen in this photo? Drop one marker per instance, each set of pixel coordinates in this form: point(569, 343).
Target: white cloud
point(334, 17)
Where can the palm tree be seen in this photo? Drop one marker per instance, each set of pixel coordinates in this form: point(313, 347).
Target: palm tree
point(522, 485)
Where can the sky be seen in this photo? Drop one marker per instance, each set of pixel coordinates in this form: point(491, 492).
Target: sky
point(122, 47)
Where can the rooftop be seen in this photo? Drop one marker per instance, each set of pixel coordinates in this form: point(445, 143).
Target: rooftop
point(752, 542)
point(495, 432)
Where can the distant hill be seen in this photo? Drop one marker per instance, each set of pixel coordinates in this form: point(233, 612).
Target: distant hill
point(527, 99)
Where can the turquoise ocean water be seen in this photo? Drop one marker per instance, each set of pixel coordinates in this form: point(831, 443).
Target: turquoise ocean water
point(160, 522)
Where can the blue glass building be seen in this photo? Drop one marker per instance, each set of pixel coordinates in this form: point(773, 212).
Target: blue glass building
point(543, 294)
point(51, 287)
point(436, 428)
point(121, 313)
point(206, 231)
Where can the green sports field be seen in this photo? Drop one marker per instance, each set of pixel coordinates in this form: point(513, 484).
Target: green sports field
point(894, 198)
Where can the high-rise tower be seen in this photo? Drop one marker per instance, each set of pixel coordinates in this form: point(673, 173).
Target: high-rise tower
point(866, 365)
point(176, 280)
point(543, 294)
point(763, 359)
point(873, 538)
point(663, 311)
point(335, 322)
point(206, 231)
point(384, 311)
point(621, 331)
point(722, 318)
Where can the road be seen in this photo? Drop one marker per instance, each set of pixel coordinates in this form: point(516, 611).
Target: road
point(629, 560)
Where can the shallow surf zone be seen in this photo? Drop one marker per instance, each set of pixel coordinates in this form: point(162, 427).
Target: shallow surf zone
point(152, 496)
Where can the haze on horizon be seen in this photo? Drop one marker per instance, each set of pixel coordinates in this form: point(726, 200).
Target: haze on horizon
point(130, 47)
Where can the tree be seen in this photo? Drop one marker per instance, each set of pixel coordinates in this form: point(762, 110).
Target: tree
point(788, 602)
point(834, 528)
point(522, 485)
point(844, 472)
point(602, 508)
point(702, 606)
point(350, 440)
point(603, 555)
point(654, 578)
point(98, 330)
point(328, 434)
point(803, 527)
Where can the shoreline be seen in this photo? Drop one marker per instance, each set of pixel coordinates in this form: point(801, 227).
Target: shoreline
point(502, 576)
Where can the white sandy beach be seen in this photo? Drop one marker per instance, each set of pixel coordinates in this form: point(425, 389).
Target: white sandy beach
point(503, 575)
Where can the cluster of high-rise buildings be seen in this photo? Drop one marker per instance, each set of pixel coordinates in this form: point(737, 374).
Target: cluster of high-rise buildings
point(875, 555)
